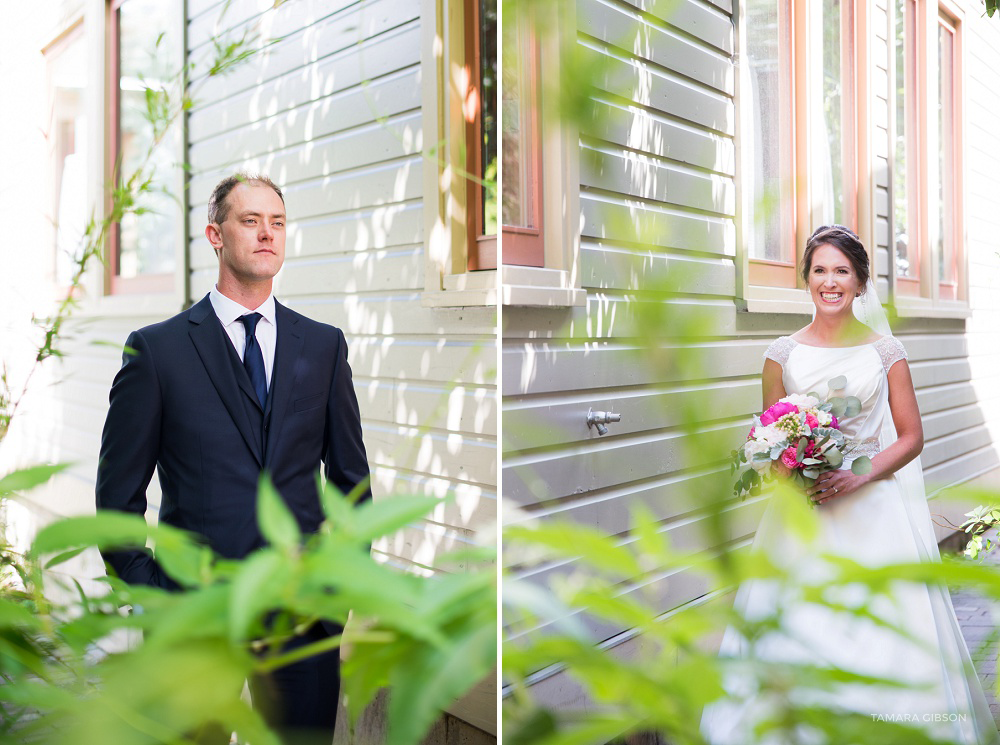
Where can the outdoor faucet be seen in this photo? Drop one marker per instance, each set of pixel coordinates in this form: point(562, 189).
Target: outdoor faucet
point(600, 418)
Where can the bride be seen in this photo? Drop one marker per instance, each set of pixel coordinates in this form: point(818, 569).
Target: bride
point(878, 518)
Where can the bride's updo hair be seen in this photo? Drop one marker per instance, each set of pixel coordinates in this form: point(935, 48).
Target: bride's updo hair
point(841, 238)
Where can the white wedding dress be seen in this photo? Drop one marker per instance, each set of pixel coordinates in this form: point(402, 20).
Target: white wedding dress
point(876, 525)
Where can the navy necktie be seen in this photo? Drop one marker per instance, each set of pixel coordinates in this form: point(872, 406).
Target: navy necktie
point(253, 358)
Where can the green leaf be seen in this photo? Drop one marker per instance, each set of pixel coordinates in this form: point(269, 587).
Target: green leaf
point(433, 679)
point(837, 407)
point(277, 524)
point(801, 449)
point(861, 466)
point(815, 395)
point(835, 458)
point(256, 588)
point(28, 478)
point(853, 406)
point(106, 529)
point(64, 556)
point(384, 517)
point(838, 383)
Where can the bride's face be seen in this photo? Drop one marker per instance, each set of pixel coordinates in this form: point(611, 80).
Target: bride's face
point(833, 283)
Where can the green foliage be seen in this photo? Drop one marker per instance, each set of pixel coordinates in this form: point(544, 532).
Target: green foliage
point(427, 638)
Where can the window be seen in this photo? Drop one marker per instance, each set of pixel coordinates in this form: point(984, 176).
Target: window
point(799, 129)
point(142, 248)
point(540, 200)
point(927, 166)
point(906, 171)
point(481, 136)
point(771, 233)
point(66, 132)
point(949, 201)
point(460, 132)
point(523, 243)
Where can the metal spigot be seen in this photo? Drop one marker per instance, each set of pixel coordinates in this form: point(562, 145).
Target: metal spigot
point(600, 418)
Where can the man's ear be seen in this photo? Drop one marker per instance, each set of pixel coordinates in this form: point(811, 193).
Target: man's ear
point(214, 234)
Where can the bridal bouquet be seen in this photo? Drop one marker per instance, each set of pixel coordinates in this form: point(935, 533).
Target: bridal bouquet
point(797, 438)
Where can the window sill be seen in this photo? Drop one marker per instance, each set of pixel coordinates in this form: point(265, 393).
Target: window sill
point(161, 304)
point(471, 289)
point(783, 300)
point(912, 307)
point(536, 287)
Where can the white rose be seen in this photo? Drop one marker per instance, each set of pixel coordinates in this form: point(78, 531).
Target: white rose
point(802, 401)
point(825, 418)
point(760, 466)
point(769, 435)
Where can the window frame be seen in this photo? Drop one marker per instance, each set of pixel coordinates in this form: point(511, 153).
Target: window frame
point(931, 297)
point(75, 31)
point(550, 275)
point(775, 286)
point(524, 245)
point(142, 284)
point(449, 280)
point(482, 248)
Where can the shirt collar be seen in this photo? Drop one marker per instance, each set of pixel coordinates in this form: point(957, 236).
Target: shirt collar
point(229, 311)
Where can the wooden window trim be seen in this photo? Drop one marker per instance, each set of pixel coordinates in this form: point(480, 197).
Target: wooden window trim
point(910, 285)
point(763, 277)
point(115, 284)
point(482, 248)
point(525, 246)
point(767, 272)
point(930, 297)
point(952, 181)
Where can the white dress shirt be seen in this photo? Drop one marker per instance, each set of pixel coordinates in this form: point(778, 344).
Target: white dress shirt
point(230, 312)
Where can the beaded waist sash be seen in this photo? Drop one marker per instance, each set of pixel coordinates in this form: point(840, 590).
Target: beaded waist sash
point(857, 448)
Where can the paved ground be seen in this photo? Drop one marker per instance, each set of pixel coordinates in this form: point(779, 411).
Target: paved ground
point(979, 618)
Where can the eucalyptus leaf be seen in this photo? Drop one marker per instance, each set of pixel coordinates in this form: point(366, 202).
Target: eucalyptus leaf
point(853, 406)
point(834, 457)
point(810, 473)
point(838, 383)
point(801, 449)
point(861, 466)
point(838, 406)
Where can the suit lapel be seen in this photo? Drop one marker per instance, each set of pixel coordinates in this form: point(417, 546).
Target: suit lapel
point(288, 350)
point(213, 346)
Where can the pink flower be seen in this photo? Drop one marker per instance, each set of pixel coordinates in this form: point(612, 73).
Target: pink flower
point(812, 421)
point(789, 457)
point(752, 430)
point(777, 411)
point(835, 424)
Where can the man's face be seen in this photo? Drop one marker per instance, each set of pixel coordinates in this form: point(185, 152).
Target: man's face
point(251, 241)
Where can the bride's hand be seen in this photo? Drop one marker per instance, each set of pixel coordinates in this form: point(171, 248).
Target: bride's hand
point(833, 484)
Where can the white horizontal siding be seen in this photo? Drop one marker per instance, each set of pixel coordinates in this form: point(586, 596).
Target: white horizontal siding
point(332, 112)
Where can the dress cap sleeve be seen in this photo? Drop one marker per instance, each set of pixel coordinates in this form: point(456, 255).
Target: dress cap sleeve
point(779, 349)
point(891, 350)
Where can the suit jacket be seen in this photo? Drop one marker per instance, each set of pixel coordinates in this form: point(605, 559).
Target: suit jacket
point(183, 403)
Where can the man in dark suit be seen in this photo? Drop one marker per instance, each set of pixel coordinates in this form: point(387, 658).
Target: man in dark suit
point(236, 385)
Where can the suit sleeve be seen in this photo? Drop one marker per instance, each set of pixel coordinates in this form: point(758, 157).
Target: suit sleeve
point(129, 447)
point(344, 457)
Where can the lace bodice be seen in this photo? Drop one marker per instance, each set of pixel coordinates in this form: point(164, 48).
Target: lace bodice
point(890, 350)
point(809, 369)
